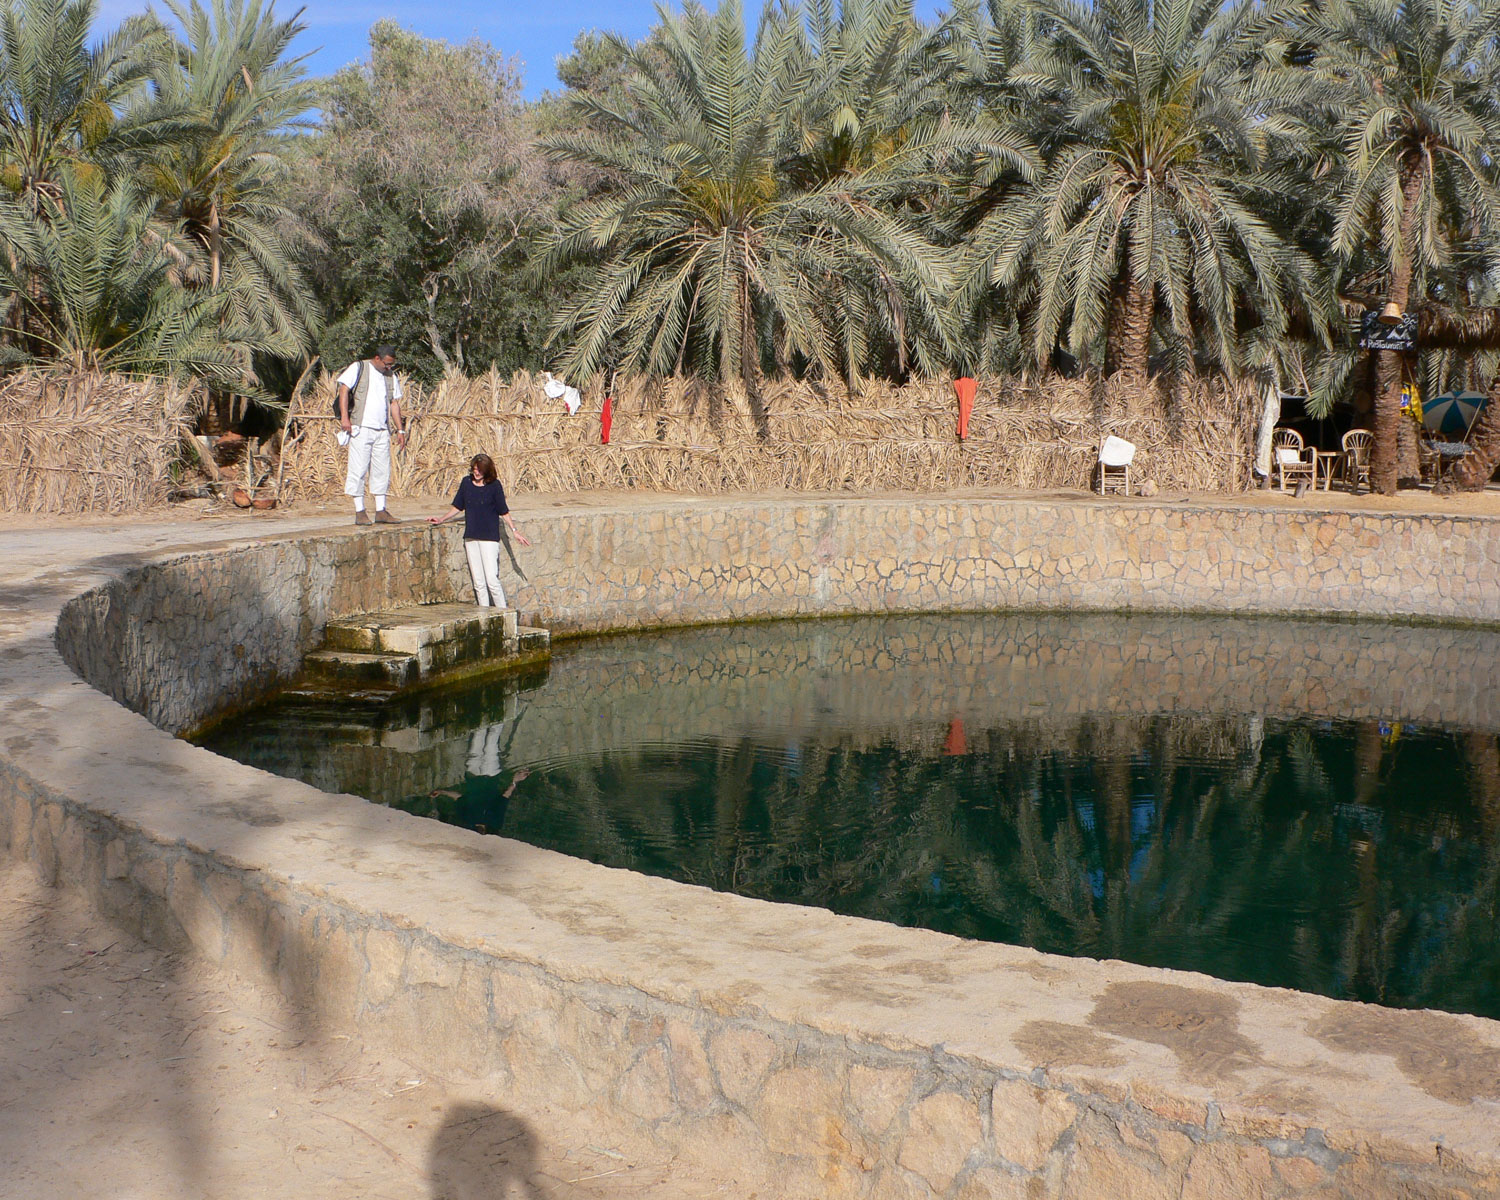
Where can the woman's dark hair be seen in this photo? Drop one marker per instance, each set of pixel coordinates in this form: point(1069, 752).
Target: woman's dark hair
point(486, 466)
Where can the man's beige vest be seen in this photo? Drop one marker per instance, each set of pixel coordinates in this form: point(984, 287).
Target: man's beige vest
point(361, 393)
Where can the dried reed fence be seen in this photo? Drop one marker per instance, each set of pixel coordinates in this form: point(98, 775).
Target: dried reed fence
point(88, 443)
point(673, 436)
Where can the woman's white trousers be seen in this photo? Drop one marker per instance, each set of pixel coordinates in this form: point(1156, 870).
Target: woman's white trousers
point(484, 569)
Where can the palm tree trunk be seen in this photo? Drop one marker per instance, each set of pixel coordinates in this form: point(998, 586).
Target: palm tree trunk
point(750, 365)
point(1384, 459)
point(215, 244)
point(1127, 345)
point(1475, 468)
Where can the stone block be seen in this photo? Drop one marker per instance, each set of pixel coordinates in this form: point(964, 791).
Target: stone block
point(341, 969)
point(386, 954)
point(741, 1058)
point(1301, 1173)
point(877, 1096)
point(1229, 1171)
point(800, 1111)
point(1100, 1167)
point(199, 917)
point(990, 1183)
point(646, 1090)
point(941, 1132)
point(1026, 1121)
point(116, 860)
point(692, 1077)
point(434, 966)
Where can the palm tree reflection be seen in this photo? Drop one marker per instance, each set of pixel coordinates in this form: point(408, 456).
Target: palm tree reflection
point(1334, 859)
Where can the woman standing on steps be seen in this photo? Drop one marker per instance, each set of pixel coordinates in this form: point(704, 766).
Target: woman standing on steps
point(482, 501)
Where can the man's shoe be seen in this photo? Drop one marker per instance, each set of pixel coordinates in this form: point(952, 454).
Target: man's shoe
point(362, 518)
point(382, 517)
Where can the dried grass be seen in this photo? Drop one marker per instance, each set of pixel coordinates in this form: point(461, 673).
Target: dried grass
point(672, 436)
point(87, 443)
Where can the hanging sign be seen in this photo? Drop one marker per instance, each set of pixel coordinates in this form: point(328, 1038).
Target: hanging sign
point(1375, 334)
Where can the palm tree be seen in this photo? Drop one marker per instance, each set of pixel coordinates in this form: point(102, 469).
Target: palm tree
point(738, 230)
point(59, 97)
point(1409, 85)
point(239, 104)
point(97, 277)
point(1157, 122)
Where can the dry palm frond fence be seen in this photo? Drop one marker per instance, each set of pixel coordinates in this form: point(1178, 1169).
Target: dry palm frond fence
point(88, 443)
point(674, 435)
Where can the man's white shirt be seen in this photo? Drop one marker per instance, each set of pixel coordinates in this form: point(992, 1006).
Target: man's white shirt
point(376, 401)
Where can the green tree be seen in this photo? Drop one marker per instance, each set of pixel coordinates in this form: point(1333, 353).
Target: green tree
point(238, 103)
point(60, 98)
point(733, 236)
point(1156, 121)
point(1409, 87)
point(428, 193)
point(98, 277)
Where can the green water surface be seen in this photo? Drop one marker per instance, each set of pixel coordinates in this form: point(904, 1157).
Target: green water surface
point(1303, 805)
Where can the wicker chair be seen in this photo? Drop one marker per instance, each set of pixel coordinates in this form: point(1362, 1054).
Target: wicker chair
point(1290, 461)
point(1115, 457)
point(1356, 445)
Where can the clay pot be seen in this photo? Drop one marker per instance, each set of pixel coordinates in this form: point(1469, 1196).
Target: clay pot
point(241, 498)
point(263, 501)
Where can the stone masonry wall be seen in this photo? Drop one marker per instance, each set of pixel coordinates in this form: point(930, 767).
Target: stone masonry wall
point(821, 1056)
point(802, 1110)
point(162, 643)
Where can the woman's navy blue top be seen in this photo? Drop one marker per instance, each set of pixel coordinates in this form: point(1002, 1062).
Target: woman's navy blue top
point(482, 506)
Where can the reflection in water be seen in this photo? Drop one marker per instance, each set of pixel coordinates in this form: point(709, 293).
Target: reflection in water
point(1313, 806)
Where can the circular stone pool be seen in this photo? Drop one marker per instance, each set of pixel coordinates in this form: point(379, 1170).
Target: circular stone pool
point(1304, 804)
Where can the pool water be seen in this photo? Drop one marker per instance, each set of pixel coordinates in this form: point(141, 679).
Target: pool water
point(1308, 805)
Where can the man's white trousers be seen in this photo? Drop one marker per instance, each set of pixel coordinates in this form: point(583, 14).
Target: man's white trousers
point(369, 454)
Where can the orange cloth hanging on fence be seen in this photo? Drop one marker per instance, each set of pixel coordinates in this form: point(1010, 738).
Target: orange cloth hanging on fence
point(606, 419)
point(965, 387)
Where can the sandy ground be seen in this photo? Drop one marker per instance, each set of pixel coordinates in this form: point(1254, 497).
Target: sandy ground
point(336, 511)
point(129, 1074)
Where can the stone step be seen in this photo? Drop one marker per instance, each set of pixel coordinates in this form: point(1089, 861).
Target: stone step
point(481, 632)
point(352, 667)
point(531, 638)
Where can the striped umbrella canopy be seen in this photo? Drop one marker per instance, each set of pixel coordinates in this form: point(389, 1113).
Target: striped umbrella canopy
point(1453, 413)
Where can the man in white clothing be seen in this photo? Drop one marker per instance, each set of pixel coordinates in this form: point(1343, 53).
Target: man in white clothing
point(369, 408)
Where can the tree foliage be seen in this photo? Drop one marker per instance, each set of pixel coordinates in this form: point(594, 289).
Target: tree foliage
point(427, 189)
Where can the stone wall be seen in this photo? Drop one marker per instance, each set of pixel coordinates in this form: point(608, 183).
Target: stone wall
point(815, 1055)
point(158, 642)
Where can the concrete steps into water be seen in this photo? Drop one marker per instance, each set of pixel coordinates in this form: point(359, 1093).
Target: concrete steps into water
point(399, 648)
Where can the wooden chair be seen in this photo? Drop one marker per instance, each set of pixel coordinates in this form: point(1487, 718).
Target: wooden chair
point(1290, 461)
point(1357, 445)
point(1115, 457)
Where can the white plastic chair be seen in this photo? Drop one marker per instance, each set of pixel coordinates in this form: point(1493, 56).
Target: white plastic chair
point(1115, 457)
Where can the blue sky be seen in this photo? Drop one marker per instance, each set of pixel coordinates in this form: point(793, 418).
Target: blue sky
point(534, 31)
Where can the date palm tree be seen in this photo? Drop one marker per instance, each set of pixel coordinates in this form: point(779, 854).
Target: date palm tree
point(239, 103)
point(739, 231)
point(1156, 121)
point(98, 278)
point(1409, 85)
point(60, 97)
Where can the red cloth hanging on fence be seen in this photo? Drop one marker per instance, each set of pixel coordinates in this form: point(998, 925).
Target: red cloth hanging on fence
point(965, 387)
point(606, 419)
point(956, 742)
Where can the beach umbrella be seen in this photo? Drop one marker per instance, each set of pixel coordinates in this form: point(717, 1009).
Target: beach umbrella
point(1453, 413)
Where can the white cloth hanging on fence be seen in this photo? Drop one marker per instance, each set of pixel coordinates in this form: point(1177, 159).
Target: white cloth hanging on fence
point(558, 389)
